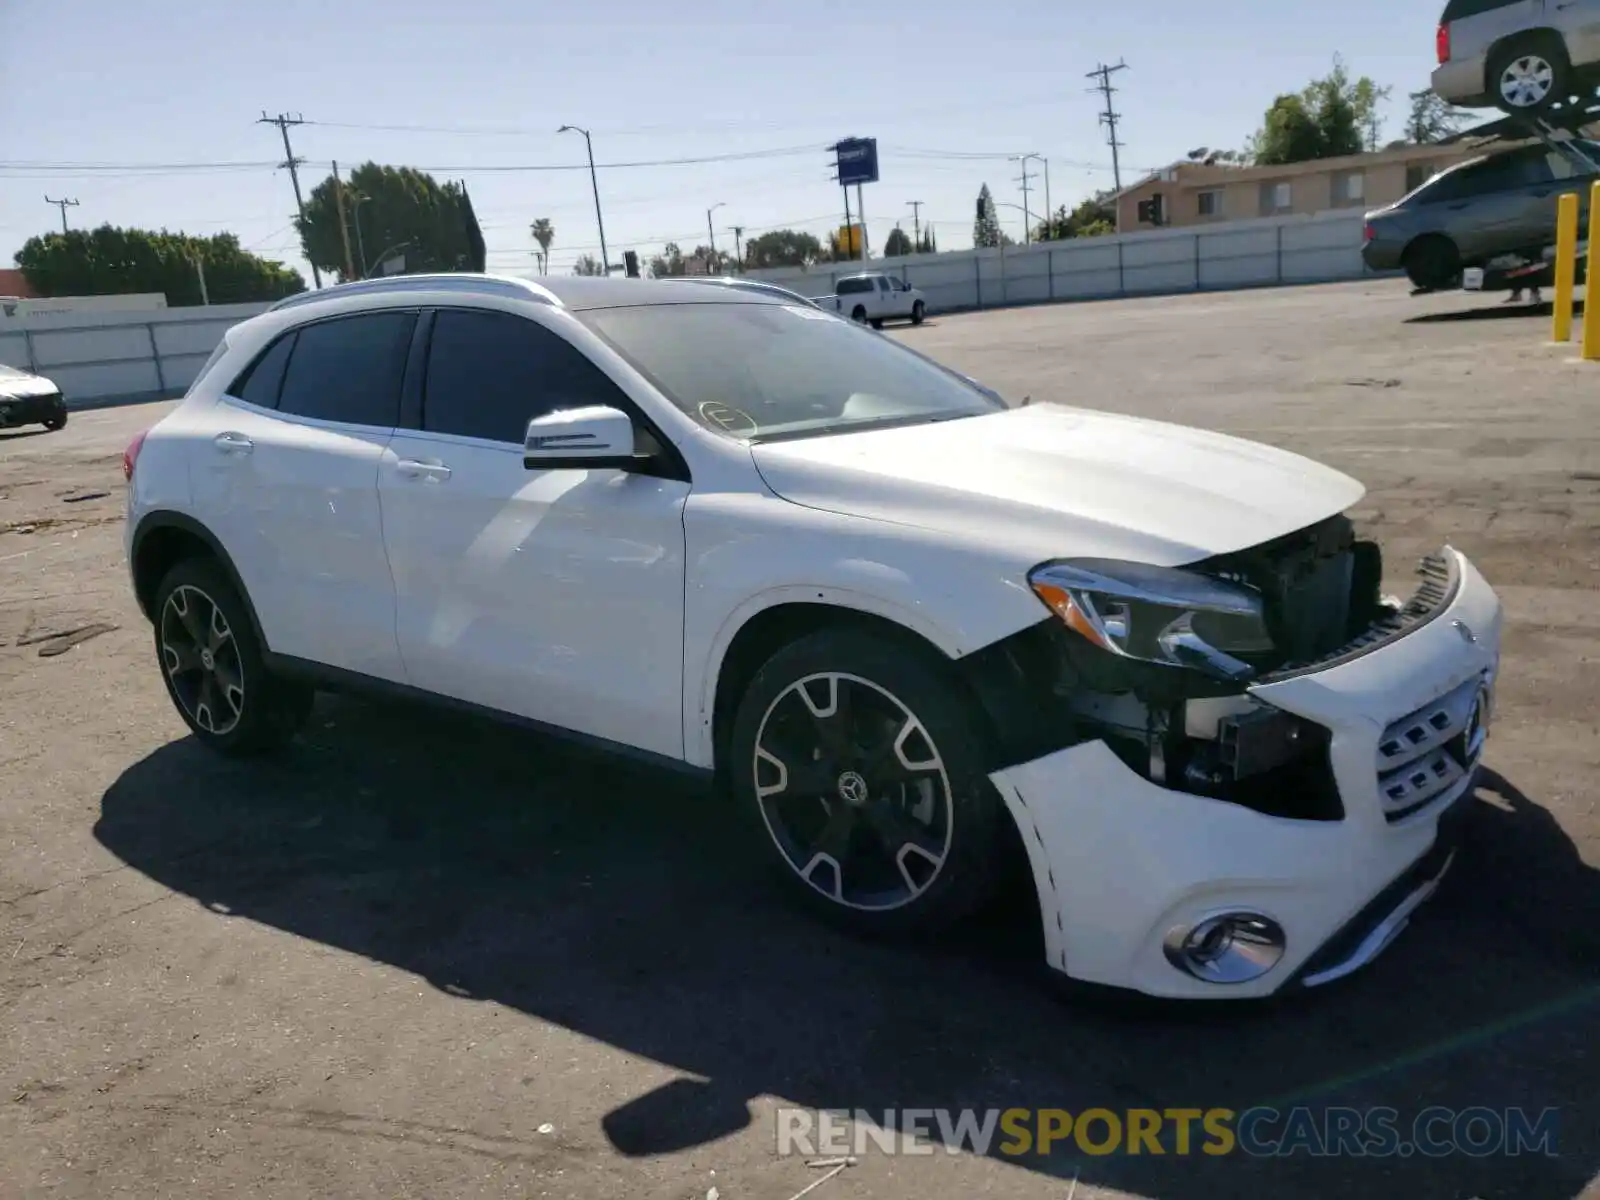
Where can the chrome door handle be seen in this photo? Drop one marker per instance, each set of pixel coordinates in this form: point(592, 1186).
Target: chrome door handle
point(412, 468)
point(233, 443)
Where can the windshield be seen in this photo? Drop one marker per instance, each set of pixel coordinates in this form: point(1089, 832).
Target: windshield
point(761, 371)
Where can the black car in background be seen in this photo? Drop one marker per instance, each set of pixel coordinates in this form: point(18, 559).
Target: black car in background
point(27, 399)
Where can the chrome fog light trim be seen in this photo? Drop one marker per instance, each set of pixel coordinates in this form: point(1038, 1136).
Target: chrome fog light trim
point(1231, 947)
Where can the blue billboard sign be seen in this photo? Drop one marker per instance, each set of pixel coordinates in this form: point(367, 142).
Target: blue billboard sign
point(857, 160)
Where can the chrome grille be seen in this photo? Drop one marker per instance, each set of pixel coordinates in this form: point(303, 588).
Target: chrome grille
point(1429, 752)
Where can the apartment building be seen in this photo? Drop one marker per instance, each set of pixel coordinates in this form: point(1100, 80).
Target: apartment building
point(1197, 193)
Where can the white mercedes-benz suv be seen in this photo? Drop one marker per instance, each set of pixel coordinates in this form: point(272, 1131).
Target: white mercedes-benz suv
point(898, 620)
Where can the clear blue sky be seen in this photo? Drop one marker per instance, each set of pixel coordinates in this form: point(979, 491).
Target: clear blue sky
point(145, 89)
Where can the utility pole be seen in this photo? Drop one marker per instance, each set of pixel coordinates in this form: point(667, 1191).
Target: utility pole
point(711, 233)
point(285, 122)
point(738, 248)
point(63, 205)
point(916, 224)
point(1027, 217)
point(1110, 117)
point(344, 226)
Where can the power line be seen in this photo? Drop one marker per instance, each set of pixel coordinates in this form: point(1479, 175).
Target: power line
point(1110, 117)
point(63, 205)
point(284, 122)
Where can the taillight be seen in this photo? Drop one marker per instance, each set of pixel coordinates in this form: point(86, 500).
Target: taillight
point(1442, 44)
point(130, 456)
point(1369, 233)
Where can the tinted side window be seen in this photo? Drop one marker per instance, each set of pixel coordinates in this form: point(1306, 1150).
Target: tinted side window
point(1457, 9)
point(1482, 179)
point(490, 373)
point(262, 379)
point(349, 369)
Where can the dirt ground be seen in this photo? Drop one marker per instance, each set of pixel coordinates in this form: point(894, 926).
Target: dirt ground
point(429, 956)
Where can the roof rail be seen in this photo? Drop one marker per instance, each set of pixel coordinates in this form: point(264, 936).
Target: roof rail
point(466, 283)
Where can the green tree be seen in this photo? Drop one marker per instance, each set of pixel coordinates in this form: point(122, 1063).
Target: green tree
point(111, 261)
point(986, 225)
point(782, 248)
point(544, 233)
point(1330, 117)
point(1432, 118)
point(431, 222)
point(668, 263)
point(1093, 217)
point(1289, 135)
point(898, 244)
point(926, 243)
point(588, 265)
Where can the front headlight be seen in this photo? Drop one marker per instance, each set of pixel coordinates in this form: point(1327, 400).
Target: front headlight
point(1157, 614)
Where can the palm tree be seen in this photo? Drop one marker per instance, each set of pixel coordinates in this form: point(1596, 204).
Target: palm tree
point(544, 233)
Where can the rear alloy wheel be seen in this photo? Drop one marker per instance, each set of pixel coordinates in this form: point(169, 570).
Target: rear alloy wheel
point(213, 668)
point(860, 764)
point(1529, 76)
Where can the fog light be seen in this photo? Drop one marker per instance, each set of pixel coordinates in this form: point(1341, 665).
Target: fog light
point(1231, 947)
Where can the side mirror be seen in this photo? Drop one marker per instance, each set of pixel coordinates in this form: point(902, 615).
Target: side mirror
point(590, 438)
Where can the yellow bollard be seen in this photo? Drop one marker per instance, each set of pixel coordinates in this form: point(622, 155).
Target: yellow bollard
point(1566, 264)
point(1591, 293)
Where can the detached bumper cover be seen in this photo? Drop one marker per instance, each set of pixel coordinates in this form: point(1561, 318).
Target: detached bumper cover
point(1119, 861)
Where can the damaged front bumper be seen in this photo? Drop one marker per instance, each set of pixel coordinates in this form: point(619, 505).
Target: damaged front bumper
point(1124, 866)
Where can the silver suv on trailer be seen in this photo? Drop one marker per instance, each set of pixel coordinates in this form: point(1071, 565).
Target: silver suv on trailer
point(1517, 55)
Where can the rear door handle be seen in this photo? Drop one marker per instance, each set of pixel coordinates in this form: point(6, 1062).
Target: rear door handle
point(413, 468)
point(233, 443)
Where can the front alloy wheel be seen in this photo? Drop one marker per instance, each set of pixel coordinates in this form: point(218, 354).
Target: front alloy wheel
point(858, 758)
point(853, 791)
point(202, 660)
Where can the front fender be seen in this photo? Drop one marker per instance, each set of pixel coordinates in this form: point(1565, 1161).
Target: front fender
point(747, 553)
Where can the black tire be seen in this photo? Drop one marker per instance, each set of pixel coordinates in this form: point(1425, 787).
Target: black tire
point(1432, 263)
point(1529, 74)
point(918, 312)
point(211, 662)
point(56, 424)
point(923, 852)
point(877, 322)
point(859, 315)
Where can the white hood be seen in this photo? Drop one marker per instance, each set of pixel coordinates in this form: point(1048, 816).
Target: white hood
point(1052, 481)
point(19, 385)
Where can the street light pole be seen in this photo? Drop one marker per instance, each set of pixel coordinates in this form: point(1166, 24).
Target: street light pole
point(594, 182)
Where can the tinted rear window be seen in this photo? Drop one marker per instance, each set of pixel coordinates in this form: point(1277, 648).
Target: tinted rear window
point(349, 369)
point(1457, 9)
point(263, 379)
point(850, 287)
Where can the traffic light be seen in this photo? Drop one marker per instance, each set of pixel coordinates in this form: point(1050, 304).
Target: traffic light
point(630, 260)
point(1152, 211)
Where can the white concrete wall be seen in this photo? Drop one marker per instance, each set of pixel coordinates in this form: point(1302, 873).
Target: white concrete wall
point(103, 355)
point(99, 356)
point(1324, 247)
